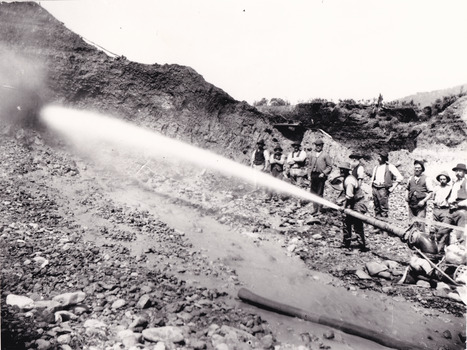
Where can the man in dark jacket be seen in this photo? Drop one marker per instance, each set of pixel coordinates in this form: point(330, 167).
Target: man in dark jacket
point(320, 168)
point(419, 191)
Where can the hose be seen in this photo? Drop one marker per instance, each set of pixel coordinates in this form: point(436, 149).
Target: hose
point(346, 327)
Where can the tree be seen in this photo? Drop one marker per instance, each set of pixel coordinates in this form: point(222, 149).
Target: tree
point(277, 101)
point(262, 102)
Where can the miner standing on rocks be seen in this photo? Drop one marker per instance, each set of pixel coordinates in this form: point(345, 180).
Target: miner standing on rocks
point(441, 194)
point(260, 157)
point(419, 192)
point(383, 184)
point(320, 168)
point(296, 160)
point(458, 203)
point(352, 197)
point(358, 170)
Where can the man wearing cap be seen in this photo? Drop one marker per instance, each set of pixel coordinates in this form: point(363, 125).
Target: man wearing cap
point(458, 203)
point(277, 161)
point(352, 197)
point(383, 184)
point(419, 191)
point(296, 160)
point(358, 171)
point(260, 157)
point(320, 168)
point(441, 194)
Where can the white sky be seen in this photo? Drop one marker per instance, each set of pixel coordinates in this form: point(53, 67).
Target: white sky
point(295, 50)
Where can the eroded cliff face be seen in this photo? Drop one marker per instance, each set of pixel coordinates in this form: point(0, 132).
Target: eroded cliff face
point(41, 57)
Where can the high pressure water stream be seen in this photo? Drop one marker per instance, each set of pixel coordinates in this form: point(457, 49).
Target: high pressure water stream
point(264, 269)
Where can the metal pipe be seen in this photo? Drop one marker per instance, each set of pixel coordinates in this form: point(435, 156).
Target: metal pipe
point(399, 232)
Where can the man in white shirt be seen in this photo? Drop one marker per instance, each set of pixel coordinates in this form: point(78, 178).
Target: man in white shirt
point(441, 194)
point(458, 204)
point(296, 160)
point(384, 180)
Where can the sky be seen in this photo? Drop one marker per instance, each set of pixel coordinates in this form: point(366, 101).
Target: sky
point(296, 50)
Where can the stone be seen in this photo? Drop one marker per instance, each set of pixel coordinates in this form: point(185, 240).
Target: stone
point(20, 301)
point(442, 285)
point(329, 334)
point(267, 341)
point(159, 346)
point(447, 334)
point(117, 304)
point(64, 339)
point(61, 316)
point(291, 248)
point(222, 346)
point(72, 298)
point(140, 321)
point(41, 261)
point(423, 284)
point(47, 304)
point(144, 302)
point(129, 338)
point(93, 323)
point(42, 344)
point(164, 334)
point(375, 268)
point(197, 344)
point(362, 275)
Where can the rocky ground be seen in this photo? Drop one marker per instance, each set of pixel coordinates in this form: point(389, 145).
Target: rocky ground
point(84, 267)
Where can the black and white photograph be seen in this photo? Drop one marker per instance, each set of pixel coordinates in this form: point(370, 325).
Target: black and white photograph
point(233, 175)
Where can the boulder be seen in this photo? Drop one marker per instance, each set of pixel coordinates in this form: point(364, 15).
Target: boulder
point(20, 301)
point(164, 334)
point(362, 275)
point(72, 298)
point(375, 268)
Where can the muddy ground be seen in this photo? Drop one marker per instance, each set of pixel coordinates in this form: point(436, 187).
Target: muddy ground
point(163, 245)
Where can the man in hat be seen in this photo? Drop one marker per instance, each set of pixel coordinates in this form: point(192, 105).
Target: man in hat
point(384, 180)
point(277, 161)
point(260, 157)
point(320, 168)
point(296, 160)
point(358, 170)
point(419, 192)
point(352, 197)
point(458, 204)
point(441, 194)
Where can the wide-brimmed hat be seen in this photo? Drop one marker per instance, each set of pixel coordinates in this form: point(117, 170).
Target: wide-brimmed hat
point(260, 142)
point(345, 165)
point(460, 166)
point(278, 148)
point(356, 156)
point(319, 142)
point(419, 162)
point(443, 173)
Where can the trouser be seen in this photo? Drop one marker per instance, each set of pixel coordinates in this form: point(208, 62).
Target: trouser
point(381, 201)
point(415, 212)
point(457, 218)
point(350, 221)
point(317, 187)
point(442, 233)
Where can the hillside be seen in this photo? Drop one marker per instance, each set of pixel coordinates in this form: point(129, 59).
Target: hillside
point(428, 98)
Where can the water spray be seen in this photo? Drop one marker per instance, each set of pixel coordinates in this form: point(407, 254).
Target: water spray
point(84, 127)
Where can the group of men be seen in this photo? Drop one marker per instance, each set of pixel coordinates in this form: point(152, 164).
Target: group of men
point(312, 168)
point(309, 168)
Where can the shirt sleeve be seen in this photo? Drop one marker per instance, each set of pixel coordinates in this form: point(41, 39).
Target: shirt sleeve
point(349, 190)
point(360, 172)
point(394, 171)
point(290, 160)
